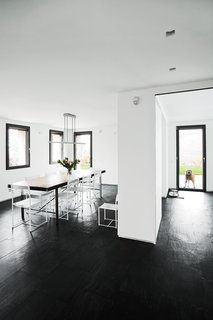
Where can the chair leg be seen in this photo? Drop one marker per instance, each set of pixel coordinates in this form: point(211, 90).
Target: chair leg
point(90, 198)
point(99, 219)
point(30, 220)
point(67, 208)
point(12, 217)
point(46, 212)
point(82, 202)
point(67, 213)
point(116, 219)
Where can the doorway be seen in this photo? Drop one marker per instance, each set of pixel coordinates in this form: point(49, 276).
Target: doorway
point(191, 157)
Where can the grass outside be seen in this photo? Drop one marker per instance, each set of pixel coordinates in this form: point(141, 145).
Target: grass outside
point(84, 165)
point(195, 169)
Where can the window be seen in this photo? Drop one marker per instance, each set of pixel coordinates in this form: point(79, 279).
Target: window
point(83, 152)
point(17, 146)
point(55, 149)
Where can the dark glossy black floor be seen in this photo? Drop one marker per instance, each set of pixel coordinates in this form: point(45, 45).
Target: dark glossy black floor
point(80, 271)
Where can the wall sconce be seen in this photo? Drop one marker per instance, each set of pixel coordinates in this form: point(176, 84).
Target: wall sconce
point(136, 100)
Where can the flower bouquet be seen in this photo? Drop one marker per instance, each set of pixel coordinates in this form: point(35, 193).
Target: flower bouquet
point(68, 164)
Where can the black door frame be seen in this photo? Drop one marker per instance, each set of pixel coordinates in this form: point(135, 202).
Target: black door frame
point(178, 128)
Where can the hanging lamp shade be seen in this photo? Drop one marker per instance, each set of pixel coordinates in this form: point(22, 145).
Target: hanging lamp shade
point(69, 130)
point(69, 127)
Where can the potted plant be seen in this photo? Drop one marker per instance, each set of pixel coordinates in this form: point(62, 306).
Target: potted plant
point(68, 164)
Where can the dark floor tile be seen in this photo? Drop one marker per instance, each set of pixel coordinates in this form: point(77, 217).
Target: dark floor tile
point(15, 290)
point(36, 306)
point(81, 271)
point(64, 282)
point(88, 305)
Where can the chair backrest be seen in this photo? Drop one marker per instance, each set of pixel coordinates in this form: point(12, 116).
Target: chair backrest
point(72, 180)
point(97, 174)
point(86, 179)
point(17, 189)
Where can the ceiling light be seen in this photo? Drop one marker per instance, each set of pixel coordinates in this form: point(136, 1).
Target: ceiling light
point(69, 127)
point(69, 130)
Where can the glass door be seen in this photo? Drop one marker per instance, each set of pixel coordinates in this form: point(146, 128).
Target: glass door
point(191, 157)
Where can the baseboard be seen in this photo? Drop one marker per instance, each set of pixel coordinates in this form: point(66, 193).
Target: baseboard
point(5, 203)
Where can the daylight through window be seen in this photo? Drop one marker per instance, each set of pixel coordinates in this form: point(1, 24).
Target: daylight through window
point(83, 151)
point(56, 149)
point(17, 146)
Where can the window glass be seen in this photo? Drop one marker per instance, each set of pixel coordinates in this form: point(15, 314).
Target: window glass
point(83, 151)
point(17, 144)
point(56, 149)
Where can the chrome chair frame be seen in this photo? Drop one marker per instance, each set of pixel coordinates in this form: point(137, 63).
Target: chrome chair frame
point(33, 206)
point(106, 221)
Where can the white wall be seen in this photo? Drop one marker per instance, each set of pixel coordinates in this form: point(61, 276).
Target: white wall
point(164, 149)
point(104, 154)
point(172, 151)
point(164, 157)
point(137, 161)
point(159, 147)
point(136, 166)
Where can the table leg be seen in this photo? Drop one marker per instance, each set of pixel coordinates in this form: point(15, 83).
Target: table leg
point(100, 182)
point(22, 214)
point(22, 209)
point(56, 205)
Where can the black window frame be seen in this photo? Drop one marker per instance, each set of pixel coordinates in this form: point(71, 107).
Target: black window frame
point(79, 133)
point(51, 131)
point(27, 151)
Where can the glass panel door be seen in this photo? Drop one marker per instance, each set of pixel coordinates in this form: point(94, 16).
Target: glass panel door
point(191, 171)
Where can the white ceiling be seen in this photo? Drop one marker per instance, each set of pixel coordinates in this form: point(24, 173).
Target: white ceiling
point(188, 106)
point(76, 55)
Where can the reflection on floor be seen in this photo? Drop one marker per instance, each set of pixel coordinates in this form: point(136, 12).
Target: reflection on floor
point(80, 271)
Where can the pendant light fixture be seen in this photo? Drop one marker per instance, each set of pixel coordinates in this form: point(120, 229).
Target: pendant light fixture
point(69, 130)
point(68, 141)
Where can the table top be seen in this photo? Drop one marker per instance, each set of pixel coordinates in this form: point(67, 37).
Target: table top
point(54, 180)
